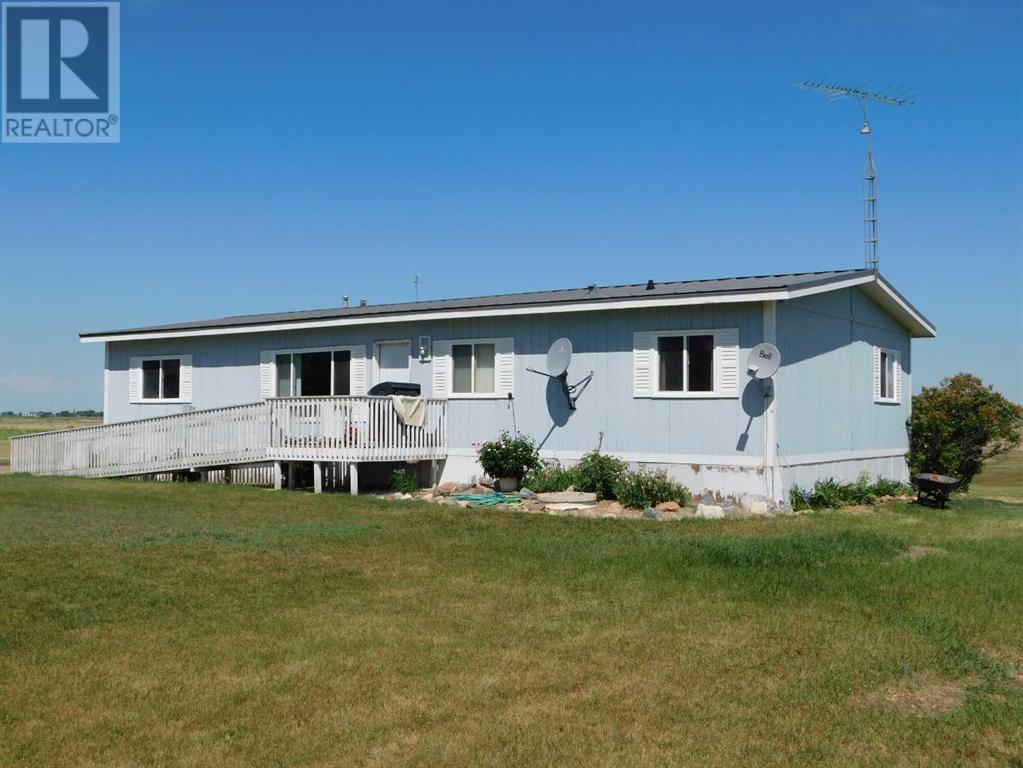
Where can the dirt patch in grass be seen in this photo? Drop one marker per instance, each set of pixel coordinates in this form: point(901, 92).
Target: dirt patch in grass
point(917, 552)
point(919, 694)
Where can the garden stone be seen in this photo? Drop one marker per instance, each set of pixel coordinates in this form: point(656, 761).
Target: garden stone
point(613, 509)
point(405, 497)
point(567, 497)
point(755, 504)
point(445, 489)
point(525, 493)
point(710, 511)
point(651, 514)
point(668, 506)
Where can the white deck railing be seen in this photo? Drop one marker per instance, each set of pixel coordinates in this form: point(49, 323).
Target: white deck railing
point(353, 429)
point(342, 429)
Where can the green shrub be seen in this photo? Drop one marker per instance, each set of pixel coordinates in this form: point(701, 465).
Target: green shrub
point(599, 473)
point(550, 477)
point(832, 494)
point(508, 456)
point(404, 482)
point(644, 488)
point(955, 426)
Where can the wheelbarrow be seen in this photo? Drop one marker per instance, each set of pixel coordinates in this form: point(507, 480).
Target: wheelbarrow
point(935, 487)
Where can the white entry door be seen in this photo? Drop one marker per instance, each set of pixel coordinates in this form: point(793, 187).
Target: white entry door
point(393, 361)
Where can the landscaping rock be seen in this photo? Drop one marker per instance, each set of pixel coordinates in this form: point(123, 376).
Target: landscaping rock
point(525, 493)
point(651, 514)
point(614, 509)
point(531, 505)
point(568, 506)
point(405, 497)
point(710, 511)
point(668, 506)
point(445, 489)
point(753, 504)
point(567, 497)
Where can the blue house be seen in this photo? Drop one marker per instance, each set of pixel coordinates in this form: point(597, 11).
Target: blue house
point(662, 370)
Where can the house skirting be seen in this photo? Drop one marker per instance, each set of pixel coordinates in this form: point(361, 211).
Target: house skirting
point(726, 475)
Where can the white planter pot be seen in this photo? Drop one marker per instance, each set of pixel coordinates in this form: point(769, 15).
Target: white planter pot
point(507, 484)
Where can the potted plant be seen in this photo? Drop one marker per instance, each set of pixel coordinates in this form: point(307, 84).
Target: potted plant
point(507, 459)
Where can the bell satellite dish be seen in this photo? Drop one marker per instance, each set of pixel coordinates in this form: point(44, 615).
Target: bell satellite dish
point(558, 357)
point(763, 361)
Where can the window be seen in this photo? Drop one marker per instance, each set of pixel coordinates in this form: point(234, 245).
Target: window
point(161, 379)
point(473, 368)
point(887, 376)
point(313, 374)
point(685, 363)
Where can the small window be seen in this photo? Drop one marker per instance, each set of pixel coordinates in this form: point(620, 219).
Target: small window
point(473, 368)
point(888, 372)
point(686, 363)
point(161, 379)
point(313, 374)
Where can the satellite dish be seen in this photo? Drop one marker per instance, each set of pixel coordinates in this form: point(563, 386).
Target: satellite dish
point(763, 361)
point(558, 357)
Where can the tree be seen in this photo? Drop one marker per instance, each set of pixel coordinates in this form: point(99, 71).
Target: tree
point(955, 426)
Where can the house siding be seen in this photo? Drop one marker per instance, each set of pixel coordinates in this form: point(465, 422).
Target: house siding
point(825, 389)
point(226, 372)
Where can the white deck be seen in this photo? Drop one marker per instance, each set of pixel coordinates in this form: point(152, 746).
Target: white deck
point(344, 430)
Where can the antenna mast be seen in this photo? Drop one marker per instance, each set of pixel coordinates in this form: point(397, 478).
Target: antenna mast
point(416, 279)
point(896, 97)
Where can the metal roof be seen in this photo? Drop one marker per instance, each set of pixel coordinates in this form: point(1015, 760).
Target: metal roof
point(688, 289)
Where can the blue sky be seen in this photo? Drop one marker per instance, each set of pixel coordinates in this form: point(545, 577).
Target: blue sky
point(277, 155)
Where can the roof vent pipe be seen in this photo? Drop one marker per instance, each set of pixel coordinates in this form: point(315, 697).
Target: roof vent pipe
point(649, 285)
point(344, 302)
point(362, 302)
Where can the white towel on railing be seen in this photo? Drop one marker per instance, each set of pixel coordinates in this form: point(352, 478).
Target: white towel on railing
point(411, 410)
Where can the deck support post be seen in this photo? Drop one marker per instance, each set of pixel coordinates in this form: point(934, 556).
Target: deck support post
point(278, 475)
point(353, 476)
point(433, 473)
point(317, 477)
point(291, 475)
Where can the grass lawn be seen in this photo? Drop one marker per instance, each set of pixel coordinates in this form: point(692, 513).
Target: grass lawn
point(157, 624)
point(23, 425)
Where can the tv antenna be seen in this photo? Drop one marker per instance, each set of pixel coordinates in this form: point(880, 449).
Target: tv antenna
point(416, 279)
point(894, 97)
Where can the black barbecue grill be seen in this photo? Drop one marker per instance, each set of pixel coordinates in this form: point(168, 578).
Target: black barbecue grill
point(405, 388)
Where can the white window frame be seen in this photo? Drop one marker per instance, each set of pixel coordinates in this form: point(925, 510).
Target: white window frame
point(896, 358)
point(376, 357)
point(301, 351)
point(142, 379)
point(685, 394)
point(452, 395)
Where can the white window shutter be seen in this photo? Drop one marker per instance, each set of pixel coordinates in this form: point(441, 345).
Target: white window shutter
point(185, 380)
point(877, 374)
point(135, 380)
point(726, 362)
point(266, 373)
point(504, 366)
point(643, 359)
point(358, 370)
point(897, 374)
point(441, 369)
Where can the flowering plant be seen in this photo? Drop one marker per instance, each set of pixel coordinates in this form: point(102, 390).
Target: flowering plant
point(508, 456)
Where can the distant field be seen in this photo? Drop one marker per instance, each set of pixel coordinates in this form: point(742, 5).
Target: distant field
point(172, 624)
point(11, 426)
